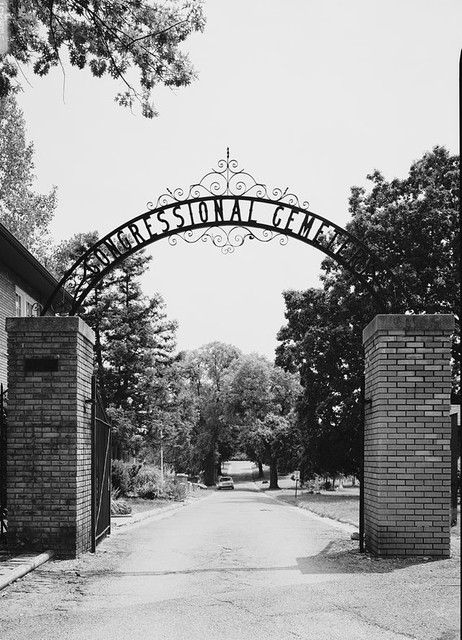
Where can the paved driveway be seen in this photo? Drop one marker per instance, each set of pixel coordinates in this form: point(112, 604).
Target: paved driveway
point(237, 565)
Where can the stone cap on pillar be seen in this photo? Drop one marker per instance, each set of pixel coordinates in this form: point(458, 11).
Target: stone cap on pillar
point(402, 323)
point(50, 324)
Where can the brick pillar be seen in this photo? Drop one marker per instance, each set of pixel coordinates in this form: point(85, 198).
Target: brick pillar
point(407, 457)
point(50, 363)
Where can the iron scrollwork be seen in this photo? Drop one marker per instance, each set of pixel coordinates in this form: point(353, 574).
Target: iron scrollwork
point(228, 180)
point(227, 240)
point(227, 207)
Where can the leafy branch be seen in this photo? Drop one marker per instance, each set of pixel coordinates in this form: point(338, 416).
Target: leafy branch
point(108, 37)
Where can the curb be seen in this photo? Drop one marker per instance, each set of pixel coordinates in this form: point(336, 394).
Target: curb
point(143, 515)
point(24, 568)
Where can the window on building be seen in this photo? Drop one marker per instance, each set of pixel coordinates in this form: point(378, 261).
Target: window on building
point(25, 305)
point(18, 304)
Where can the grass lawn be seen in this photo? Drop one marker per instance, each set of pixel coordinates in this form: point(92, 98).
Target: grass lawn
point(343, 507)
point(139, 505)
point(340, 506)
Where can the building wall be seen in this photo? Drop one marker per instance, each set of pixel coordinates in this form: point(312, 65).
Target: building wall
point(9, 280)
point(7, 309)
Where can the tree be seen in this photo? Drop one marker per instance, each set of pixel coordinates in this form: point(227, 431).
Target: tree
point(96, 310)
point(110, 38)
point(173, 421)
point(272, 438)
point(134, 347)
point(412, 224)
point(249, 394)
point(317, 343)
point(214, 438)
point(260, 398)
point(137, 344)
point(24, 212)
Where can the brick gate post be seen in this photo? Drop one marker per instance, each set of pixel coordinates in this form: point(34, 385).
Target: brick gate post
point(407, 457)
point(50, 364)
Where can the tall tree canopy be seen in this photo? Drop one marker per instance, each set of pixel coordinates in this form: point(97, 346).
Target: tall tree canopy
point(117, 38)
point(327, 352)
point(205, 371)
point(260, 399)
point(134, 346)
point(242, 403)
point(413, 225)
point(24, 212)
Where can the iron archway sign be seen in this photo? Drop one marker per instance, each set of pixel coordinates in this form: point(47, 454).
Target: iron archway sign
point(228, 207)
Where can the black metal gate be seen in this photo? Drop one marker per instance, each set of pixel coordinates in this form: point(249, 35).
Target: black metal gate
point(3, 428)
point(101, 469)
point(361, 471)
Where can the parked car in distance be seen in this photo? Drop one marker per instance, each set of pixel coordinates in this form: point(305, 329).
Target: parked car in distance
point(225, 482)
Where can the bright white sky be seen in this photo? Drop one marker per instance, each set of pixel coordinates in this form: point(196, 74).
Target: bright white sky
point(308, 95)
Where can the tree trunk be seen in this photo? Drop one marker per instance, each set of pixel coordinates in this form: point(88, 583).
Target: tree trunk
point(274, 473)
point(260, 470)
point(209, 469)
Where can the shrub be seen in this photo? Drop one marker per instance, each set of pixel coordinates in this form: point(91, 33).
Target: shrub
point(177, 492)
point(144, 481)
point(123, 476)
point(133, 470)
point(147, 473)
point(148, 490)
point(120, 477)
point(148, 484)
point(119, 506)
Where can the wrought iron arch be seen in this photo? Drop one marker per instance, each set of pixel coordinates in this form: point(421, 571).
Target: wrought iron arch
point(228, 207)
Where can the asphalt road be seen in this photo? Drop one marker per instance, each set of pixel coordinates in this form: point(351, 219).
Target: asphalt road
point(237, 565)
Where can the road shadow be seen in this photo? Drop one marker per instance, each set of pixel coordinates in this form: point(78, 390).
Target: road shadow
point(239, 487)
point(340, 563)
point(339, 557)
point(343, 556)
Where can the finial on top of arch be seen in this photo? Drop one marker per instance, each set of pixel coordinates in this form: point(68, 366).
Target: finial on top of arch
point(228, 179)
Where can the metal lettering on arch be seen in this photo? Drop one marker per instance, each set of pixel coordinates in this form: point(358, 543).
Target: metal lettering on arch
point(228, 207)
